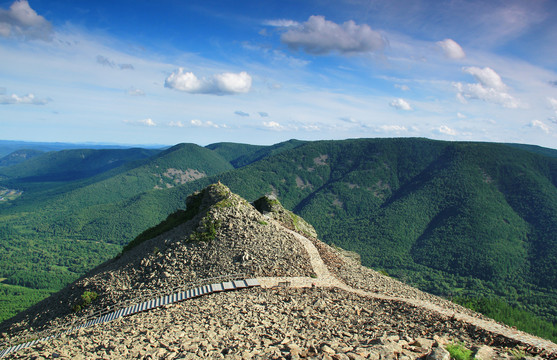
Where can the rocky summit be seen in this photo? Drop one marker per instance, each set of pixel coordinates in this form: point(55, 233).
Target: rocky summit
point(313, 301)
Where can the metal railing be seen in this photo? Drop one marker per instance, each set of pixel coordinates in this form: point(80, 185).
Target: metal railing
point(77, 323)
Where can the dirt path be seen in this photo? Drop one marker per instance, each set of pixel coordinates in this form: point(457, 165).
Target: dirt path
point(326, 279)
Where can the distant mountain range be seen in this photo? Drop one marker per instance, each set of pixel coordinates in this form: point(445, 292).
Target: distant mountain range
point(461, 219)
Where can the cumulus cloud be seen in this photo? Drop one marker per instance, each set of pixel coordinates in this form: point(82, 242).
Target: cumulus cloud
point(273, 125)
point(444, 129)
point(176, 124)
point(401, 104)
point(540, 125)
point(143, 122)
point(20, 21)
point(319, 36)
point(218, 84)
point(489, 88)
point(29, 99)
point(451, 49)
point(487, 77)
point(241, 113)
point(200, 123)
point(460, 115)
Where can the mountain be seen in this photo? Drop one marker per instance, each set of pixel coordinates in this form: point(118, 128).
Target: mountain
point(241, 155)
point(9, 146)
point(76, 224)
point(18, 156)
point(471, 221)
point(445, 216)
point(304, 299)
point(68, 165)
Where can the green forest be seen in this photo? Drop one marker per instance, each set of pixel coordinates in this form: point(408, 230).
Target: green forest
point(467, 221)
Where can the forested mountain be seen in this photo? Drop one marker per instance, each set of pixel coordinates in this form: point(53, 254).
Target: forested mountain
point(471, 220)
point(18, 156)
point(68, 165)
point(241, 154)
point(9, 146)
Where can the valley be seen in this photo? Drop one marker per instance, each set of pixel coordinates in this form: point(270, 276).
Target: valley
point(469, 221)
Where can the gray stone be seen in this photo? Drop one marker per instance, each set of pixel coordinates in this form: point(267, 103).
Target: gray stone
point(484, 353)
point(439, 353)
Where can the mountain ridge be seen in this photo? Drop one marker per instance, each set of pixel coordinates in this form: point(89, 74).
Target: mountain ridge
point(391, 200)
point(226, 234)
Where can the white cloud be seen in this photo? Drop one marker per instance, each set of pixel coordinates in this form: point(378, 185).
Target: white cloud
point(200, 123)
point(231, 83)
point(176, 124)
point(21, 21)
point(489, 88)
point(540, 125)
point(451, 49)
point(461, 116)
point(218, 84)
point(281, 23)
point(487, 77)
point(401, 104)
point(263, 114)
point(273, 125)
point(241, 113)
point(319, 36)
point(311, 127)
point(143, 122)
point(29, 99)
point(444, 129)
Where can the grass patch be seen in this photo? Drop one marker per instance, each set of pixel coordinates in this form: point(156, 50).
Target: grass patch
point(459, 352)
point(86, 299)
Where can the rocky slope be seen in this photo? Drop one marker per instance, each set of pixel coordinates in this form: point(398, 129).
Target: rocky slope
point(334, 308)
point(226, 235)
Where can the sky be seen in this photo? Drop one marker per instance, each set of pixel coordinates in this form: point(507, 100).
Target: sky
point(261, 72)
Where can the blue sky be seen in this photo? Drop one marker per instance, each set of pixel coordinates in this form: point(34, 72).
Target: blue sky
point(260, 72)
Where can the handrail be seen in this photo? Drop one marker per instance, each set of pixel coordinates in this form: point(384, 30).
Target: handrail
point(144, 296)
